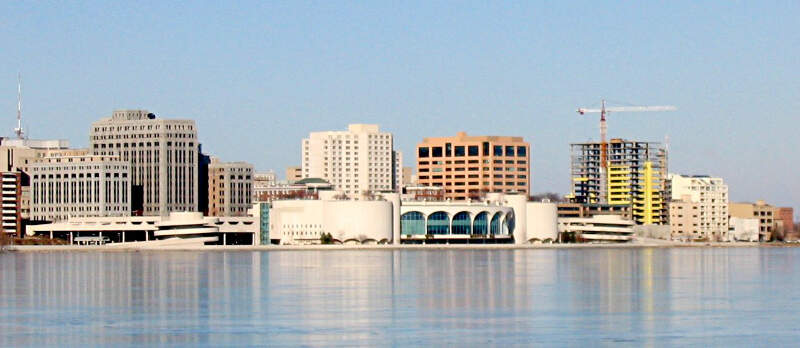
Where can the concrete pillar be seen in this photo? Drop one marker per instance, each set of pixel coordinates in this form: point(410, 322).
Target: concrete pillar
point(51, 234)
point(519, 204)
point(70, 238)
point(394, 198)
point(224, 239)
point(123, 236)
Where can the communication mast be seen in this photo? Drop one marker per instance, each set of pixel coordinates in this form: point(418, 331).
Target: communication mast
point(18, 131)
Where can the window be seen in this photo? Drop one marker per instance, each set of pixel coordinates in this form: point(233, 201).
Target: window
point(522, 151)
point(448, 149)
point(460, 151)
point(423, 152)
point(509, 151)
point(437, 151)
point(495, 225)
point(438, 223)
point(480, 224)
point(498, 150)
point(412, 223)
point(472, 150)
point(462, 224)
point(485, 148)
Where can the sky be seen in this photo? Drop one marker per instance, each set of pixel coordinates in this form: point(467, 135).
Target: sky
point(259, 76)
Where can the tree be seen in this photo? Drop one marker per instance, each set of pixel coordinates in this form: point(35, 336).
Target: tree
point(552, 196)
point(326, 238)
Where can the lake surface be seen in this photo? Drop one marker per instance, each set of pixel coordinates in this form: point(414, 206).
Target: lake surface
point(651, 297)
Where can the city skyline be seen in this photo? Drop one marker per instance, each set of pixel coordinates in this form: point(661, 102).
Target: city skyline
point(252, 80)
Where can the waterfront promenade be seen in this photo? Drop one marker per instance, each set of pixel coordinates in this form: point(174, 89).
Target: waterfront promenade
point(143, 247)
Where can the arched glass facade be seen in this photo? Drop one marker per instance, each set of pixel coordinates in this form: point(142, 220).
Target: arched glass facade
point(462, 223)
point(412, 223)
point(439, 223)
point(508, 224)
point(495, 226)
point(481, 223)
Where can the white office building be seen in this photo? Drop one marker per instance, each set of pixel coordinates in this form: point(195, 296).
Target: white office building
point(163, 155)
point(79, 186)
point(357, 161)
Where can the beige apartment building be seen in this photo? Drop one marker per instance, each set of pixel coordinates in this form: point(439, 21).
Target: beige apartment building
point(698, 207)
point(230, 188)
point(358, 161)
point(163, 155)
point(468, 167)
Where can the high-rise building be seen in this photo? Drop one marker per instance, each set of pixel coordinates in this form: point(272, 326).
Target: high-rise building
point(79, 186)
point(698, 207)
point(468, 167)
point(760, 210)
point(634, 175)
point(230, 188)
point(357, 161)
point(294, 173)
point(163, 155)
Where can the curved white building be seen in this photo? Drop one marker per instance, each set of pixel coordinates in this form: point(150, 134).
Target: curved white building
point(599, 228)
point(177, 225)
point(348, 221)
point(542, 222)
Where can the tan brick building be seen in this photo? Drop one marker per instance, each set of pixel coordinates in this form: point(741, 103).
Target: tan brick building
point(230, 188)
point(470, 166)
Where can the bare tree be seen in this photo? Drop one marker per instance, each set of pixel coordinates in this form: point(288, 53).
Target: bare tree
point(551, 196)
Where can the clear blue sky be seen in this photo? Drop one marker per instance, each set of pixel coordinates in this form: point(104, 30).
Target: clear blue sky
point(259, 76)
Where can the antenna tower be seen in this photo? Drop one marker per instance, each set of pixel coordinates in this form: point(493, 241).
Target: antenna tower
point(18, 131)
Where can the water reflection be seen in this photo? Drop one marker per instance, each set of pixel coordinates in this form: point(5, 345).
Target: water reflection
point(640, 296)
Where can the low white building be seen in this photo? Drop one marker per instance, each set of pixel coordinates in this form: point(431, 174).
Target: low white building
point(347, 221)
point(599, 228)
point(388, 219)
point(743, 230)
point(184, 225)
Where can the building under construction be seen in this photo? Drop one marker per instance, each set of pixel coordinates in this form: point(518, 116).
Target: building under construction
point(630, 174)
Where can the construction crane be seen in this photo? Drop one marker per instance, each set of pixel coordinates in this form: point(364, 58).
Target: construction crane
point(603, 110)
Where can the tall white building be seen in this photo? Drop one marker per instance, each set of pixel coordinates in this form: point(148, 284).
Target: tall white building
point(698, 207)
point(163, 155)
point(356, 161)
point(75, 186)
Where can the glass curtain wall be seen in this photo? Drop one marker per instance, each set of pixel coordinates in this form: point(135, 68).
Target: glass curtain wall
point(439, 223)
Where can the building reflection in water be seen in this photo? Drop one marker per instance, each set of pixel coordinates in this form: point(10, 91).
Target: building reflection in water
point(409, 297)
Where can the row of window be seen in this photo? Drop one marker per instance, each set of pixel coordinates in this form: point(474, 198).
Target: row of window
point(472, 150)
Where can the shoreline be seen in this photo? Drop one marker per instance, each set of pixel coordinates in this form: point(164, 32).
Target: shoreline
point(251, 248)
